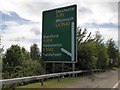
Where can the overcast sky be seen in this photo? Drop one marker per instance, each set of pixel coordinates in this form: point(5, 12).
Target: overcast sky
point(21, 22)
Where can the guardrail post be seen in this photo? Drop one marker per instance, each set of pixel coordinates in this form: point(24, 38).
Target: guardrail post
point(58, 78)
point(42, 82)
point(69, 75)
point(98, 71)
point(76, 75)
point(13, 86)
point(83, 73)
point(53, 67)
point(73, 69)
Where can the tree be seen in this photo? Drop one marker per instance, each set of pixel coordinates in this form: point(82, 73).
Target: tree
point(34, 52)
point(1, 56)
point(1, 50)
point(119, 59)
point(98, 38)
point(86, 47)
point(17, 63)
point(13, 56)
point(86, 56)
point(31, 67)
point(82, 35)
point(101, 50)
point(12, 61)
point(113, 52)
point(102, 56)
point(26, 54)
point(90, 51)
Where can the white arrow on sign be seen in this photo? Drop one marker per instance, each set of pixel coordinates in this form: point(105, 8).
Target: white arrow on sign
point(72, 43)
point(66, 52)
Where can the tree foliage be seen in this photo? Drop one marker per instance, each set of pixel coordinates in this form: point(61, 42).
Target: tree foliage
point(82, 35)
point(102, 56)
point(34, 52)
point(113, 52)
point(33, 66)
point(17, 63)
point(93, 53)
point(98, 38)
point(86, 55)
point(13, 56)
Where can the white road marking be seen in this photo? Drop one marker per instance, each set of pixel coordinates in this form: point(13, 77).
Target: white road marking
point(115, 86)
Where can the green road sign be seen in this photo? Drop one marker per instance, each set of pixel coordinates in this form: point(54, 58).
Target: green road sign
point(59, 34)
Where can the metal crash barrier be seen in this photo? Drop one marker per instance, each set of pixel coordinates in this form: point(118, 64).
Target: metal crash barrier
point(42, 77)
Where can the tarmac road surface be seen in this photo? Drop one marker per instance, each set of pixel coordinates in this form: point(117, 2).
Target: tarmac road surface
point(108, 79)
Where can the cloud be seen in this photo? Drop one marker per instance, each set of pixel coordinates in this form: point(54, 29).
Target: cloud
point(12, 16)
point(84, 11)
point(27, 10)
point(101, 13)
point(36, 30)
point(104, 12)
point(15, 33)
point(107, 33)
point(105, 25)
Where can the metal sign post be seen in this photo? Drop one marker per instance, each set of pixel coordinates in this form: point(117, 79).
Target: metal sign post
point(73, 68)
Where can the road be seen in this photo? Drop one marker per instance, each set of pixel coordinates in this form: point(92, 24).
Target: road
point(108, 79)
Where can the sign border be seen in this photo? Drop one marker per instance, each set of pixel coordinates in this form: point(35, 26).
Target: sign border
point(75, 61)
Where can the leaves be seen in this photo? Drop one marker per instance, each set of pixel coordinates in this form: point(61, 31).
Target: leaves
point(93, 53)
point(17, 62)
point(86, 55)
point(34, 52)
point(113, 52)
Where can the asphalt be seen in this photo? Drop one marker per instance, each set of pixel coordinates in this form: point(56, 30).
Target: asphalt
point(108, 79)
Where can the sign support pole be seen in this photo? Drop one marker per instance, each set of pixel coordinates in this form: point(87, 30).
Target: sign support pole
point(72, 46)
point(62, 67)
point(73, 68)
point(53, 67)
point(45, 68)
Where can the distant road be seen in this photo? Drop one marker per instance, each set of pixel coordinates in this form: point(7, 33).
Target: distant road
point(108, 79)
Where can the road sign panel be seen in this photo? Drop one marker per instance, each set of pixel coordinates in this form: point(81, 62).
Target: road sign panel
point(59, 34)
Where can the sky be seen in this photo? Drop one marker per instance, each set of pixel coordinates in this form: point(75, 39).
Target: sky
point(21, 21)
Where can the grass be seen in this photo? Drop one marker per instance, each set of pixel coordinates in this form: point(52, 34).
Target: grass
point(53, 83)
